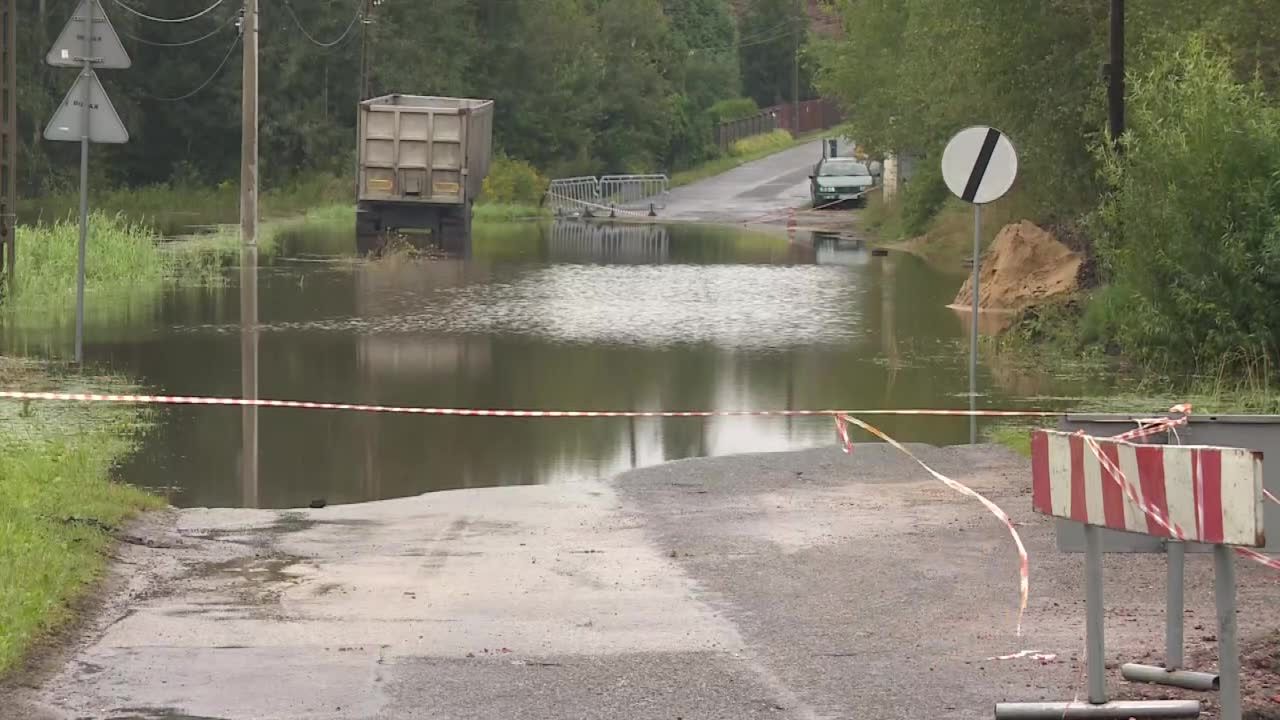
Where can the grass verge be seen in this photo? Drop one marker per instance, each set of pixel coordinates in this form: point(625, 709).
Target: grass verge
point(176, 209)
point(58, 503)
point(745, 151)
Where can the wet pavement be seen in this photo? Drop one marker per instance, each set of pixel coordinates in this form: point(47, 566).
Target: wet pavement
point(793, 585)
point(760, 191)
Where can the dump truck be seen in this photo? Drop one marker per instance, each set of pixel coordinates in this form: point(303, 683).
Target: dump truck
point(422, 164)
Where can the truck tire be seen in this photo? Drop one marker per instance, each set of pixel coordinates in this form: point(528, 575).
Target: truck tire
point(369, 237)
point(455, 236)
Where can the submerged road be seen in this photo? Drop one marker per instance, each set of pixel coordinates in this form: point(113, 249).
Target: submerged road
point(745, 194)
point(794, 585)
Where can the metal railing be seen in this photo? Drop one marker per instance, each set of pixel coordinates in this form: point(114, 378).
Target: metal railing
point(731, 131)
point(608, 196)
point(574, 196)
point(635, 192)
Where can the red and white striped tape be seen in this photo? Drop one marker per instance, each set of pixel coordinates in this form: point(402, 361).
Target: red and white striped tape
point(129, 399)
point(1024, 563)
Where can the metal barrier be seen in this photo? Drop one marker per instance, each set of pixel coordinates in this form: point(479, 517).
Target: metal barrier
point(574, 196)
point(635, 192)
point(608, 196)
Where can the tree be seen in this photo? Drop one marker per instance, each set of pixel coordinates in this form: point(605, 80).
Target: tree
point(772, 33)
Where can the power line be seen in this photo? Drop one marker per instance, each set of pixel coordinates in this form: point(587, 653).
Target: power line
point(153, 18)
point(739, 45)
point(785, 24)
point(359, 13)
point(230, 21)
point(207, 82)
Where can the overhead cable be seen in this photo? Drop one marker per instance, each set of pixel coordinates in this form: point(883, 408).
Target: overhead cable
point(153, 18)
point(234, 44)
point(320, 43)
point(185, 43)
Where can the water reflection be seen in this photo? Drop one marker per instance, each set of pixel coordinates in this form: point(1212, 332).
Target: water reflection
point(249, 488)
point(598, 242)
point(560, 316)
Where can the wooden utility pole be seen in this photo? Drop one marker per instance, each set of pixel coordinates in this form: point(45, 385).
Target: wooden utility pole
point(795, 72)
point(362, 79)
point(1115, 72)
point(362, 91)
point(249, 258)
point(249, 128)
point(8, 135)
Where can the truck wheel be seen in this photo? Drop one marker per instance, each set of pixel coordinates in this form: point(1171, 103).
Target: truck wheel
point(367, 222)
point(455, 236)
point(369, 237)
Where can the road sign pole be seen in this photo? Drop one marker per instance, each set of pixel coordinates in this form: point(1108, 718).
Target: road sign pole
point(973, 332)
point(979, 166)
point(85, 99)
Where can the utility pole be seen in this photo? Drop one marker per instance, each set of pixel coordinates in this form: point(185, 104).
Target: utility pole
point(249, 128)
point(362, 78)
point(1115, 72)
point(8, 136)
point(795, 72)
point(249, 257)
point(362, 91)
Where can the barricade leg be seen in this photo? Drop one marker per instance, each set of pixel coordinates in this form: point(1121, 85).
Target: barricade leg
point(1095, 644)
point(1224, 587)
point(1172, 673)
point(1094, 620)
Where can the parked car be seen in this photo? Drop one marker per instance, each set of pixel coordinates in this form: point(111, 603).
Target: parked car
point(836, 180)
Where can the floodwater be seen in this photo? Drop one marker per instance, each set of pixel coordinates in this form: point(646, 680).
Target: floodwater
point(564, 316)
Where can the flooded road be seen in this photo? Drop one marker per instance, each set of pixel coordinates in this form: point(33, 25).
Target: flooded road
point(564, 316)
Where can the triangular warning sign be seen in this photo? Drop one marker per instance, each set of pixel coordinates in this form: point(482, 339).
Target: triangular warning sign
point(104, 124)
point(105, 51)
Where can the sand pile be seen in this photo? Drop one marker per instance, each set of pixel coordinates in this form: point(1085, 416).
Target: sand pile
point(1024, 266)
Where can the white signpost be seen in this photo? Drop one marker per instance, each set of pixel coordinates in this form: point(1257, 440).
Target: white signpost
point(86, 114)
point(979, 166)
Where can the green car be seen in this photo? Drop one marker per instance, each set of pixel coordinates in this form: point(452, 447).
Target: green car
point(839, 180)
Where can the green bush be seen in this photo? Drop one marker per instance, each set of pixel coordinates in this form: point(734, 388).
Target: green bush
point(732, 109)
point(1189, 232)
point(766, 143)
point(513, 182)
point(923, 197)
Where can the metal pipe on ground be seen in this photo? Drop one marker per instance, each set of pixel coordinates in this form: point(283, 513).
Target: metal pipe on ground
point(1120, 710)
point(1188, 679)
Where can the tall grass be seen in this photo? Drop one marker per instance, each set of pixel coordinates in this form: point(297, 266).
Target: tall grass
point(58, 504)
point(119, 253)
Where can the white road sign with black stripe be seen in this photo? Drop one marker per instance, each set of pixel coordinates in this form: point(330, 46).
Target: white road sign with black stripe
point(979, 164)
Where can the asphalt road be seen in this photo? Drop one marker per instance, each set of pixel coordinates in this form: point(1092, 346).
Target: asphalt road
point(794, 585)
point(761, 189)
